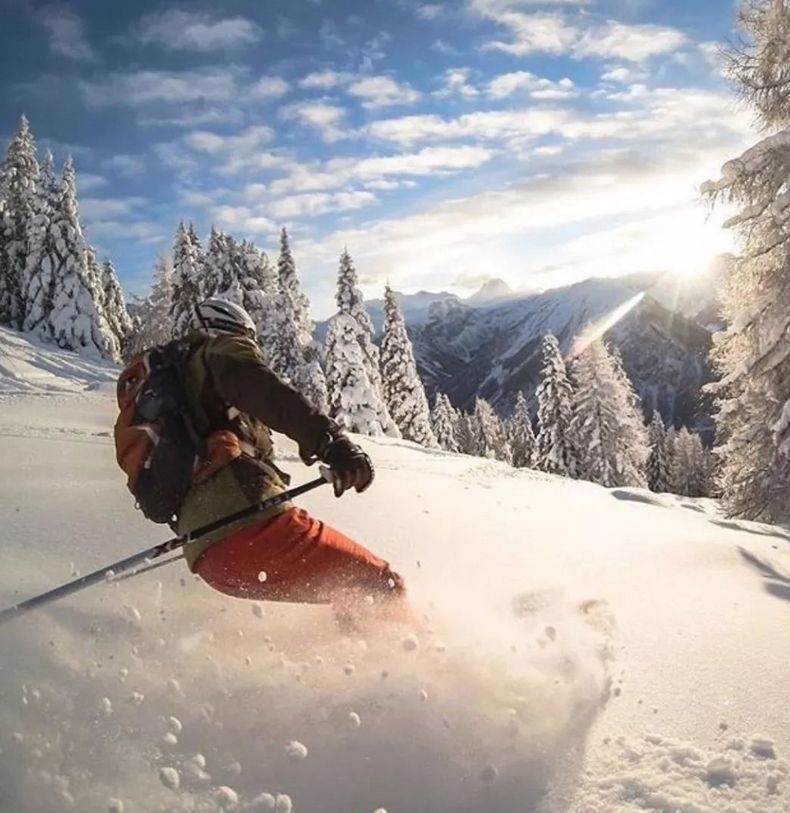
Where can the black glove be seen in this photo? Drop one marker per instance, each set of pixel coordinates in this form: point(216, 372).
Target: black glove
point(351, 467)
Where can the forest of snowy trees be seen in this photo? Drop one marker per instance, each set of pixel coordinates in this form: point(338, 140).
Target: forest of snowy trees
point(586, 424)
point(51, 283)
point(589, 426)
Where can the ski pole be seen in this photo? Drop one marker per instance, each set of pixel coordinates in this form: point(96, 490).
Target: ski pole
point(107, 574)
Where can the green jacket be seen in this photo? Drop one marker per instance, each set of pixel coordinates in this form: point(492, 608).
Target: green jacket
point(229, 387)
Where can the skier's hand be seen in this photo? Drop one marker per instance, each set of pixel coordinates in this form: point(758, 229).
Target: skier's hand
point(351, 467)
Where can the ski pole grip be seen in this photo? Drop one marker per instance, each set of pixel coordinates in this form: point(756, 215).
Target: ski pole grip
point(326, 473)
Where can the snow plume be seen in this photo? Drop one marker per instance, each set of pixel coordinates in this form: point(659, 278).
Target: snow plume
point(598, 329)
point(166, 696)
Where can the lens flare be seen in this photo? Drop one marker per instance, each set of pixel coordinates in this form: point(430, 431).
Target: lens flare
point(595, 330)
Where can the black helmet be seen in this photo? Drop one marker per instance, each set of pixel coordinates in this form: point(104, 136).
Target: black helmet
point(224, 316)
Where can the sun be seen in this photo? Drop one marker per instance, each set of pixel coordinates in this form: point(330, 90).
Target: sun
point(691, 246)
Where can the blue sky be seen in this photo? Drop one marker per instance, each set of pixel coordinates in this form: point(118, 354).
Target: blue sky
point(443, 143)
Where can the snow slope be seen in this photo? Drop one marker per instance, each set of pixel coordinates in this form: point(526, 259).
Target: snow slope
point(585, 650)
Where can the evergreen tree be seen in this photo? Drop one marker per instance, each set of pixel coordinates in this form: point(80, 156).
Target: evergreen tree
point(286, 356)
point(351, 302)
point(154, 323)
point(77, 320)
point(42, 255)
point(444, 419)
point(556, 450)
point(607, 427)
point(659, 461)
point(353, 399)
point(289, 281)
point(491, 438)
point(186, 282)
point(114, 304)
point(689, 465)
point(19, 177)
point(522, 436)
point(466, 433)
point(404, 392)
point(221, 276)
point(753, 353)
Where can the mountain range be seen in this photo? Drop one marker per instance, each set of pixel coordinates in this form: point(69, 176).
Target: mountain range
point(489, 344)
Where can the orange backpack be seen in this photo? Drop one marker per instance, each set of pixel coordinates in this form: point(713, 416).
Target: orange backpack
point(155, 439)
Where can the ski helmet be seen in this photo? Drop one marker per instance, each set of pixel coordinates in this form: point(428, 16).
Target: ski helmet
point(225, 317)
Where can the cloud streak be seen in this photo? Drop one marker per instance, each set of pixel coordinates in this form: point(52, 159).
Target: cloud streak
point(181, 30)
point(66, 33)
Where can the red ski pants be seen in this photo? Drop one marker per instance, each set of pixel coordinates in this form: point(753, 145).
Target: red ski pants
point(294, 557)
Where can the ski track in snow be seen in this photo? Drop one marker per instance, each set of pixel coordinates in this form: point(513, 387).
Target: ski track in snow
point(562, 626)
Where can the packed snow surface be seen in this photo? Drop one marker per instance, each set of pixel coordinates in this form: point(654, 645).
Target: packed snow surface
point(575, 649)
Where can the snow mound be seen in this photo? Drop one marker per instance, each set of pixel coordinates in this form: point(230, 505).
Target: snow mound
point(27, 366)
point(490, 711)
point(667, 776)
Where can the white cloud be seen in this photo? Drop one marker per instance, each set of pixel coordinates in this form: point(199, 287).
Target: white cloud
point(230, 154)
point(151, 87)
point(455, 82)
point(129, 166)
point(109, 208)
point(339, 172)
point(633, 43)
point(66, 34)
point(267, 87)
point(325, 80)
point(214, 143)
point(180, 30)
point(142, 231)
point(535, 33)
point(89, 182)
point(319, 203)
point(196, 115)
point(429, 11)
point(662, 112)
point(556, 33)
point(491, 125)
point(243, 219)
point(382, 91)
point(325, 117)
point(537, 87)
point(623, 75)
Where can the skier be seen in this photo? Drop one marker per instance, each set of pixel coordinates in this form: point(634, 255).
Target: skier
point(284, 554)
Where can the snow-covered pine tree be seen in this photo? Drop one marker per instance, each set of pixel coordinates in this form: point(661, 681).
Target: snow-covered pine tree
point(659, 461)
point(491, 438)
point(522, 435)
point(187, 289)
point(42, 255)
point(753, 352)
point(153, 323)
point(444, 419)
point(404, 393)
point(77, 319)
point(353, 400)
point(466, 433)
point(18, 187)
point(285, 352)
point(115, 305)
point(259, 292)
point(689, 465)
point(556, 450)
point(289, 281)
point(220, 277)
point(607, 428)
point(351, 302)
